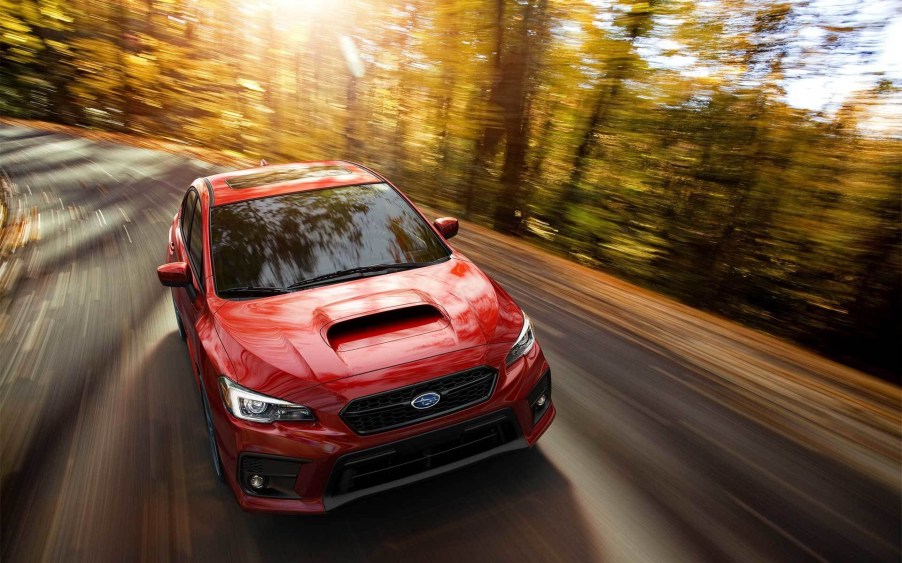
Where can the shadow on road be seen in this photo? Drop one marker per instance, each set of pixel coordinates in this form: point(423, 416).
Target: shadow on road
point(517, 507)
point(514, 508)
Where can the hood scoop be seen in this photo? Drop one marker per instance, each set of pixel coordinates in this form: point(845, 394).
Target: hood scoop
point(379, 327)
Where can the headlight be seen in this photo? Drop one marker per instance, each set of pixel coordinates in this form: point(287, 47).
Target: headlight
point(524, 341)
point(248, 405)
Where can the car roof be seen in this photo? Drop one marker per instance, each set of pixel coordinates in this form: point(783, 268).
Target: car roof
point(270, 180)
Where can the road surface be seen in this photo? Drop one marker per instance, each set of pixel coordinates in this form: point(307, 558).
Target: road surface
point(655, 455)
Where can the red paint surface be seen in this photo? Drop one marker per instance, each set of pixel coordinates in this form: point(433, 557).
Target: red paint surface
point(282, 346)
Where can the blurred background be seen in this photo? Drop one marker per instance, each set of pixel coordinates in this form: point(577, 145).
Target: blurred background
point(742, 156)
point(620, 167)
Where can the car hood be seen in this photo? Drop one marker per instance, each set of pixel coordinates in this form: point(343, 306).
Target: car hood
point(282, 344)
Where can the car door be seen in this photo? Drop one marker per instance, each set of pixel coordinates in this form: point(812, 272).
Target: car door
point(189, 248)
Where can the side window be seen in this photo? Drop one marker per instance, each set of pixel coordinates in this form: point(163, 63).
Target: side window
point(196, 244)
point(187, 211)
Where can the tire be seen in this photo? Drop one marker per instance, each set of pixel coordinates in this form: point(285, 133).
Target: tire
point(211, 436)
point(178, 321)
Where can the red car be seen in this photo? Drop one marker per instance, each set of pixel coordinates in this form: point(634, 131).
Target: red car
point(341, 346)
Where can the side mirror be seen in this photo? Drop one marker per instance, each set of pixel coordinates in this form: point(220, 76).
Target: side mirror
point(448, 226)
point(174, 274)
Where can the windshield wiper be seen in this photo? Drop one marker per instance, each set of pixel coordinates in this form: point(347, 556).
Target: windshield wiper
point(253, 290)
point(355, 273)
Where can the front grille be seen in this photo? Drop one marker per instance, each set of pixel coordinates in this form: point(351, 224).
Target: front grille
point(392, 409)
point(414, 458)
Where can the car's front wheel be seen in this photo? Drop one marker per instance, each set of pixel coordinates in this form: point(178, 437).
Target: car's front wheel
point(211, 436)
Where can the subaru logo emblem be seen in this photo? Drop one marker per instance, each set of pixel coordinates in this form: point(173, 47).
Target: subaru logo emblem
point(425, 401)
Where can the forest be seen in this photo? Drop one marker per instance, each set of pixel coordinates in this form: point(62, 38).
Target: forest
point(668, 143)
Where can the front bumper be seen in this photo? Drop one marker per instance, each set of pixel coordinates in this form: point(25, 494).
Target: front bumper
point(318, 467)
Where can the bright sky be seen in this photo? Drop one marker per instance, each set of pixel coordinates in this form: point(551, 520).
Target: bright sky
point(838, 48)
point(856, 64)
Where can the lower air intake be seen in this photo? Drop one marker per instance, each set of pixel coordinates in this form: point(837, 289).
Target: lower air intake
point(415, 458)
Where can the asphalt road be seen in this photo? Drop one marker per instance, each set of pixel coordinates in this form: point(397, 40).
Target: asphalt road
point(104, 455)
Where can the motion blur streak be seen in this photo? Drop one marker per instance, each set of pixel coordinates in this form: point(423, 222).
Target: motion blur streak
point(680, 437)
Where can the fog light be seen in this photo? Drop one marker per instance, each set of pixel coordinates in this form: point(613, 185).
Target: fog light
point(257, 481)
point(539, 398)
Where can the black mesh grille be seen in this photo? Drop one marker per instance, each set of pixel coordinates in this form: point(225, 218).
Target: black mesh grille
point(392, 409)
point(393, 463)
point(251, 464)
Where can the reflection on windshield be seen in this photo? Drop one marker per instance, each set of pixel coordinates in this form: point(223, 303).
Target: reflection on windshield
point(281, 240)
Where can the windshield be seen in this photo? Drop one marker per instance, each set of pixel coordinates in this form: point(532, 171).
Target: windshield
point(283, 240)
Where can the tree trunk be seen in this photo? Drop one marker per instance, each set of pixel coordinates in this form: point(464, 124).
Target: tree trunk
point(492, 132)
point(520, 69)
point(586, 149)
